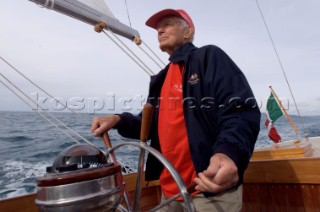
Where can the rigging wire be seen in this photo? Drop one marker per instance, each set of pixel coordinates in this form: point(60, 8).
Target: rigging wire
point(49, 114)
point(133, 57)
point(43, 116)
point(153, 53)
point(20, 73)
point(281, 66)
point(123, 165)
point(161, 67)
point(119, 40)
point(37, 86)
point(144, 43)
point(126, 167)
point(31, 100)
point(137, 60)
point(128, 12)
point(57, 100)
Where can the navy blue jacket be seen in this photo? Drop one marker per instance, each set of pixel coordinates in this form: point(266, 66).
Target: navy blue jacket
point(221, 113)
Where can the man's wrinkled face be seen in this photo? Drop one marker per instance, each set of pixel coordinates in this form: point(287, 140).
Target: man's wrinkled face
point(171, 33)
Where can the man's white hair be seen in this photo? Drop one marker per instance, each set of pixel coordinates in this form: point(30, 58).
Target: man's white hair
point(185, 25)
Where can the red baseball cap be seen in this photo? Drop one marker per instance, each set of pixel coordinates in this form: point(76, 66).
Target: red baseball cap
point(156, 18)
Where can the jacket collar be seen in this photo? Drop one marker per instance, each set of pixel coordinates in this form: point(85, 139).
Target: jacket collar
point(182, 53)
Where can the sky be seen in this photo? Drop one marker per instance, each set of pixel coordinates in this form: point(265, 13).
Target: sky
point(88, 71)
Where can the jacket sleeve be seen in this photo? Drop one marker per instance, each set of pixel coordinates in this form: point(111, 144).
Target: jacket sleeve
point(129, 125)
point(238, 114)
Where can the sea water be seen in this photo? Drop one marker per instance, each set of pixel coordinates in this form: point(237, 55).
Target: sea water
point(29, 144)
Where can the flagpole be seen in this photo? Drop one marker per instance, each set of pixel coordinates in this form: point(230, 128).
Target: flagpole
point(285, 112)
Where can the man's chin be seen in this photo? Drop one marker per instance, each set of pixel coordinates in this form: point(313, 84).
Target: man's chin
point(166, 47)
point(163, 47)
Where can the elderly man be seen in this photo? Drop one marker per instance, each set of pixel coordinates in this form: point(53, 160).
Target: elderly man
point(205, 121)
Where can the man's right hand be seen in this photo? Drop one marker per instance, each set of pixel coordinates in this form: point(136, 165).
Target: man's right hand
point(103, 124)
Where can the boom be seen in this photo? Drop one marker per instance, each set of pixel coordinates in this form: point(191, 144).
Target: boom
point(79, 10)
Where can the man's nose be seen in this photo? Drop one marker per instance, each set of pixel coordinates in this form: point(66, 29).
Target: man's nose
point(160, 29)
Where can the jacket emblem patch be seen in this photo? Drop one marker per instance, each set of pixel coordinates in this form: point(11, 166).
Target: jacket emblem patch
point(194, 78)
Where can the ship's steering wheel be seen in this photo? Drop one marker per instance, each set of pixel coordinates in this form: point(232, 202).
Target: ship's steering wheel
point(182, 187)
point(144, 147)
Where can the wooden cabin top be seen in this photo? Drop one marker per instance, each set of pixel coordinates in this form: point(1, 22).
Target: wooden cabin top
point(294, 149)
point(288, 162)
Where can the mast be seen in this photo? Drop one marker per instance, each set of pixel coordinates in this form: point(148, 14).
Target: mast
point(285, 112)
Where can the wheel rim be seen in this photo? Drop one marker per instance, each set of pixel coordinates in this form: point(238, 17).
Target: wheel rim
point(174, 173)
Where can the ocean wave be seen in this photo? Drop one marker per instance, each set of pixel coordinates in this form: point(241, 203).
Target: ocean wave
point(16, 138)
point(19, 177)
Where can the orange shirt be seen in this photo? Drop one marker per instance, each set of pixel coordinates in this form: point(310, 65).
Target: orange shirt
point(172, 132)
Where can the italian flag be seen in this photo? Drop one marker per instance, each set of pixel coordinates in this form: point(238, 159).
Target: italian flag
point(273, 113)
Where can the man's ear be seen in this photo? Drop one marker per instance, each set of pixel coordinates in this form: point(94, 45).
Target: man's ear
point(189, 32)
